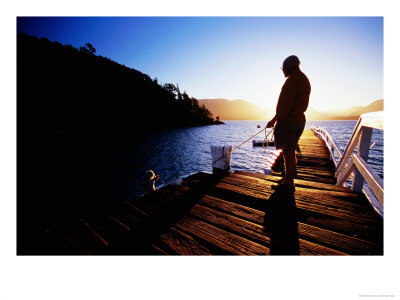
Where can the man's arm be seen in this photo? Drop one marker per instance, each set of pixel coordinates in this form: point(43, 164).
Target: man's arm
point(286, 98)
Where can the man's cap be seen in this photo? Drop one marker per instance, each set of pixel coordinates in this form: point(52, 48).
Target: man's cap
point(291, 62)
point(150, 174)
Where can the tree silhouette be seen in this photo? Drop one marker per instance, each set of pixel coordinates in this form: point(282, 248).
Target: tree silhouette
point(88, 49)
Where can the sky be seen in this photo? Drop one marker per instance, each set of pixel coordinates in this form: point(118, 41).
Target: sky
point(236, 57)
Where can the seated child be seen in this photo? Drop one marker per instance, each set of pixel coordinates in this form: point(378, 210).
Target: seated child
point(148, 181)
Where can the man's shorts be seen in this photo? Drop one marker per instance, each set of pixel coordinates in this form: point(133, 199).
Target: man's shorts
point(287, 135)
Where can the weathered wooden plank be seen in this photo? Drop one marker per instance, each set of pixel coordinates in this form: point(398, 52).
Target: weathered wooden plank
point(174, 191)
point(314, 150)
point(200, 177)
point(94, 232)
point(128, 215)
point(333, 212)
point(242, 227)
point(119, 222)
point(372, 234)
point(235, 209)
point(148, 205)
point(360, 209)
point(220, 238)
point(157, 250)
point(161, 198)
point(344, 243)
point(315, 171)
point(252, 184)
point(110, 229)
point(316, 249)
point(129, 206)
point(175, 242)
point(82, 239)
point(240, 195)
point(129, 212)
point(314, 178)
point(314, 162)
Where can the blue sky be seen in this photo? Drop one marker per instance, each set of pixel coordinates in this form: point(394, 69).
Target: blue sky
point(237, 57)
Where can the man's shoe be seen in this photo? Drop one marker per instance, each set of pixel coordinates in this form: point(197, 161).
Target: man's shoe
point(283, 187)
point(281, 181)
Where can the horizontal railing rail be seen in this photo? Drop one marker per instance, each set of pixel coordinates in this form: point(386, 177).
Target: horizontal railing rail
point(329, 142)
point(354, 166)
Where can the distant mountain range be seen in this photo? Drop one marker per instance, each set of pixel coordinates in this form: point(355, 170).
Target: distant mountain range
point(352, 113)
point(235, 109)
point(243, 110)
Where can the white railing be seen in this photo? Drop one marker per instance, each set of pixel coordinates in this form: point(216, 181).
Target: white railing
point(329, 142)
point(354, 165)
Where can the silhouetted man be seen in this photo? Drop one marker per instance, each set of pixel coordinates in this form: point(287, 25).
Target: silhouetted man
point(290, 119)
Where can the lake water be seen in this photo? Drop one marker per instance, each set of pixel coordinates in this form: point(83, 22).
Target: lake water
point(180, 152)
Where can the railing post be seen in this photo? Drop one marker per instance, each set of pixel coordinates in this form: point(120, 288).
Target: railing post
point(221, 159)
point(363, 151)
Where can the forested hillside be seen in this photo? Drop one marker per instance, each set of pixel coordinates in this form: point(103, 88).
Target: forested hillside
point(63, 88)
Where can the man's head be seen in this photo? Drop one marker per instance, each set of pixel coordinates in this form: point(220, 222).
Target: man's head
point(290, 63)
point(150, 174)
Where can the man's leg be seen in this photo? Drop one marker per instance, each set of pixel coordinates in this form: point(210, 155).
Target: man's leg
point(290, 166)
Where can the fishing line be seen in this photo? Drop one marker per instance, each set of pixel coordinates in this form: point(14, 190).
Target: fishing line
point(266, 136)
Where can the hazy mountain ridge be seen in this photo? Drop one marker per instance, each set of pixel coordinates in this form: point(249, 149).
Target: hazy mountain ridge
point(354, 112)
point(243, 110)
point(235, 109)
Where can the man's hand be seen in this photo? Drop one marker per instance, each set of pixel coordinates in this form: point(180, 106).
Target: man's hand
point(271, 123)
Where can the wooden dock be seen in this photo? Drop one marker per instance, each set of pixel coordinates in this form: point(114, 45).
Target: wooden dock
point(238, 214)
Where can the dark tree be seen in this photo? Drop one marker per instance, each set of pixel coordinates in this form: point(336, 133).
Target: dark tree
point(88, 48)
